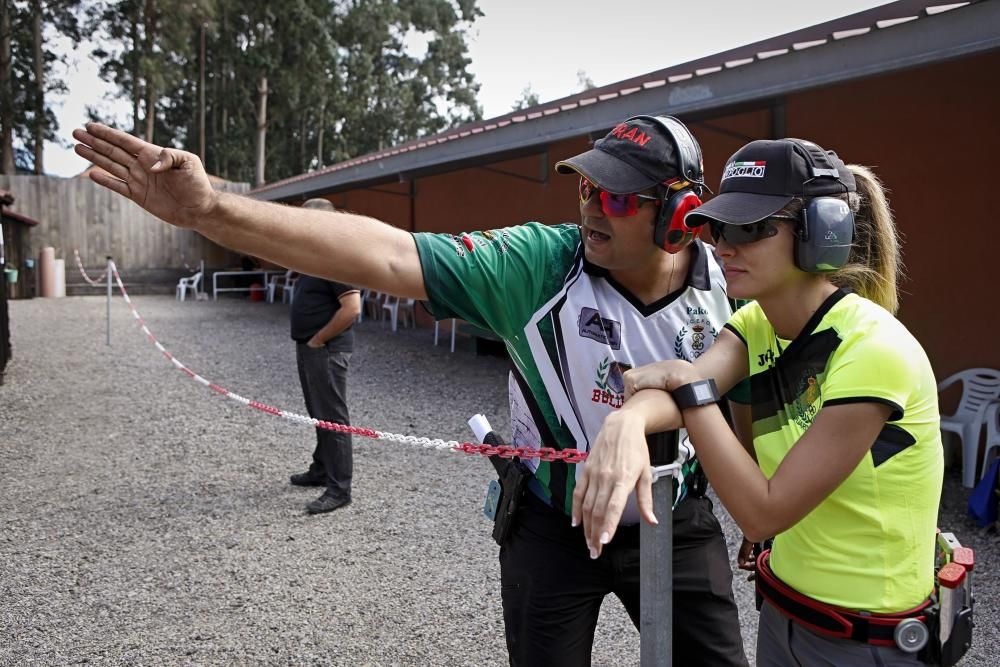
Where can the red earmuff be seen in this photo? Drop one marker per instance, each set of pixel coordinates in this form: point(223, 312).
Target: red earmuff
point(671, 232)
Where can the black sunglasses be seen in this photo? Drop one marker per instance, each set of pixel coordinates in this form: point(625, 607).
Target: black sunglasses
point(743, 234)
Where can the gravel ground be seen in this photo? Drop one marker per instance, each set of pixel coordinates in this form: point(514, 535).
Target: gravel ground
point(148, 521)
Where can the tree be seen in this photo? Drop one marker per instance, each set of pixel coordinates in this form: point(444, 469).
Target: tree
point(528, 98)
point(144, 47)
point(27, 60)
point(47, 17)
point(6, 86)
point(405, 96)
point(288, 87)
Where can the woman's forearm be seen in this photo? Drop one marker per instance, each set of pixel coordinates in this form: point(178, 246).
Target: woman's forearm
point(656, 409)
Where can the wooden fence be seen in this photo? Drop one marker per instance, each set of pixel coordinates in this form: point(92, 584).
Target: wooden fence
point(76, 213)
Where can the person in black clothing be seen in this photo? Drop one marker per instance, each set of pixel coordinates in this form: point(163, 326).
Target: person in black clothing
point(322, 314)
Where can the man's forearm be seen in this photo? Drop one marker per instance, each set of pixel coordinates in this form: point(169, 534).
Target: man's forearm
point(344, 247)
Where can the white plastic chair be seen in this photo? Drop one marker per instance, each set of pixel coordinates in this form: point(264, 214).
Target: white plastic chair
point(286, 283)
point(371, 303)
point(364, 297)
point(189, 283)
point(399, 309)
point(437, 328)
point(992, 434)
point(980, 387)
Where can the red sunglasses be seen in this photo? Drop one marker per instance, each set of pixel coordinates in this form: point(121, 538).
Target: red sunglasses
point(614, 205)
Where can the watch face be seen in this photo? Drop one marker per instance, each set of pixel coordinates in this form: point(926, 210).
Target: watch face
point(703, 392)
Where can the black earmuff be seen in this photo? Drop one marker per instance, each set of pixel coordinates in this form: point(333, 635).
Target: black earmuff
point(825, 231)
point(825, 235)
point(670, 232)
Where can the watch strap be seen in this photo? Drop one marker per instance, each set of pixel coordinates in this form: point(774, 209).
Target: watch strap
point(697, 393)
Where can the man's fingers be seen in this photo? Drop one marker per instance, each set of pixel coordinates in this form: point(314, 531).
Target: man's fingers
point(103, 148)
point(165, 160)
point(609, 503)
point(123, 140)
point(644, 497)
point(579, 493)
point(110, 182)
point(613, 509)
point(108, 165)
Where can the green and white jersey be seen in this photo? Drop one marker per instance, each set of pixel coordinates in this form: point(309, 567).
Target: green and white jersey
point(571, 330)
point(870, 544)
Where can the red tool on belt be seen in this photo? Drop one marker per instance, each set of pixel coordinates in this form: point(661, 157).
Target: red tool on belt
point(939, 630)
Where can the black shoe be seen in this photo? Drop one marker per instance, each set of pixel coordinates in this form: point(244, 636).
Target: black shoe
point(327, 503)
point(307, 479)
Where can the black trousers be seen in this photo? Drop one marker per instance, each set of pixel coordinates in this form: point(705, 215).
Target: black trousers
point(323, 375)
point(552, 591)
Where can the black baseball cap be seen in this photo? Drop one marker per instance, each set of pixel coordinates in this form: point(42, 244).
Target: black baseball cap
point(761, 178)
point(634, 156)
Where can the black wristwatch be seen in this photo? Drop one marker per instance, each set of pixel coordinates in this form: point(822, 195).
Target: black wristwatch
point(694, 394)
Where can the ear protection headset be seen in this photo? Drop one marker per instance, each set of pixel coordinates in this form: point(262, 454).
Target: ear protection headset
point(826, 229)
point(670, 231)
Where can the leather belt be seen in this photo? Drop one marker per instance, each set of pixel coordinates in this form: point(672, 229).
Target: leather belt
point(826, 619)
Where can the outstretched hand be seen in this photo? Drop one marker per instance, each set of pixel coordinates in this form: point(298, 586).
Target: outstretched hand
point(169, 183)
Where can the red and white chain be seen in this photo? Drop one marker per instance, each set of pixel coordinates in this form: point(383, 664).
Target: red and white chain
point(96, 282)
point(504, 451)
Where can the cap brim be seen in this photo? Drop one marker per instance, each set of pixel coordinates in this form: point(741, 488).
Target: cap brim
point(606, 172)
point(737, 208)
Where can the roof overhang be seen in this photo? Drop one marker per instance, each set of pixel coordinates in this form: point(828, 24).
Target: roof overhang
point(756, 73)
point(17, 217)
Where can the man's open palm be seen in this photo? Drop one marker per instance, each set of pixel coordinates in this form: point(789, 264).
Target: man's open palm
point(170, 184)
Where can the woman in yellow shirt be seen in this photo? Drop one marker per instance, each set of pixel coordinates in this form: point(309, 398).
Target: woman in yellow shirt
point(848, 469)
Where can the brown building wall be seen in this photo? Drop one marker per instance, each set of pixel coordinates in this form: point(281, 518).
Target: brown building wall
point(720, 137)
point(501, 194)
point(389, 203)
point(929, 134)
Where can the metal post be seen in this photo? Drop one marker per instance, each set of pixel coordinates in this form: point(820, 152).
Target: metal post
point(201, 291)
point(656, 576)
point(109, 300)
point(656, 558)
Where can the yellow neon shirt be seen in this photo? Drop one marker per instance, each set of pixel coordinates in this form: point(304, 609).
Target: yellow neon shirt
point(870, 544)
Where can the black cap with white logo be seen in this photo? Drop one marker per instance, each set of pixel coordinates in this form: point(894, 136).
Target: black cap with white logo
point(761, 178)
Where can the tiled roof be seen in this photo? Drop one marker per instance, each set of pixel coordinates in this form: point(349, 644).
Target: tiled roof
point(877, 19)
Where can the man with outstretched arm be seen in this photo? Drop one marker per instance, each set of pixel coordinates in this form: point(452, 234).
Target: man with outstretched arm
point(576, 305)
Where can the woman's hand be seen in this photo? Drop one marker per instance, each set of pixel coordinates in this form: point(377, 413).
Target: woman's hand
point(665, 375)
point(618, 463)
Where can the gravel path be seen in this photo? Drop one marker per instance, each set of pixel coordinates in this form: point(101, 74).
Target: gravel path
point(148, 521)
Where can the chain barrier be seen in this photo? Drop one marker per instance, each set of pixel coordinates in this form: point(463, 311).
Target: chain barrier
point(96, 282)
point(504, 451)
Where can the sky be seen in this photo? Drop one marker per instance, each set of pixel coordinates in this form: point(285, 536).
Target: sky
point(544, 45)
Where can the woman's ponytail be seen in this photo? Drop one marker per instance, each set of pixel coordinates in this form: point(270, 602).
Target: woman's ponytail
point(874, 266)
